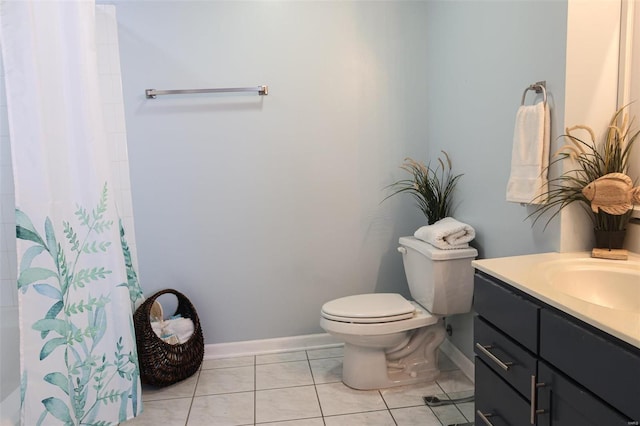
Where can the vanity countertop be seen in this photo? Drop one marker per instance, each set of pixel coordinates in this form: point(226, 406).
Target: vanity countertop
point(530, 274)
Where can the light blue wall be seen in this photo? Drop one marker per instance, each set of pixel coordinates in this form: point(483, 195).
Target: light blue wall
point(481, 57)
point(262, 209)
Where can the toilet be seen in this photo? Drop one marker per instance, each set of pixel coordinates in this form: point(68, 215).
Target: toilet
point(391, 341)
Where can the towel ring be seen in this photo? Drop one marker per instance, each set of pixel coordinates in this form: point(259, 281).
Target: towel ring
point(538, 87)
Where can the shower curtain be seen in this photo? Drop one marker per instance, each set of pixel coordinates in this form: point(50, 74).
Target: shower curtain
point(77, 285)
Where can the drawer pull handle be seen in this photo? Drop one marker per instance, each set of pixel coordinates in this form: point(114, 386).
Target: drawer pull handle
point(534, 412)
point(485, 350)
point(483, 417)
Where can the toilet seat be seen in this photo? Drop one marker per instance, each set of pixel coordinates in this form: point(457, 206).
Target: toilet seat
point(420, 318)
point(372, 308)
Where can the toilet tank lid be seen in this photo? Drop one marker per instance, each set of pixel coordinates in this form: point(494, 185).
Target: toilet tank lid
point(435, 253)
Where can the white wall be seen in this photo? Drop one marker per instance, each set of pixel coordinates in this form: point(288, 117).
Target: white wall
point(634, 86)
point(630, 92)
point(629, 88)
point(593, 41)
point(260, 209)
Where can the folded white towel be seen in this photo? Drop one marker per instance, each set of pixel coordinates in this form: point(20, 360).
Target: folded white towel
point(530, 155)
point(446, 234)
point(173, 331)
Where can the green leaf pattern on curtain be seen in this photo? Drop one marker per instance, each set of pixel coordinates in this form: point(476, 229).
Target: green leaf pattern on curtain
point(77, 320)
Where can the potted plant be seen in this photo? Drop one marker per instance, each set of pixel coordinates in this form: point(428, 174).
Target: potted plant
point(431, 188)
point(596, 166)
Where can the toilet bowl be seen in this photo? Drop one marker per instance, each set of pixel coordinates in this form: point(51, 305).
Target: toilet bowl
point(374, 346)
point(391, 341)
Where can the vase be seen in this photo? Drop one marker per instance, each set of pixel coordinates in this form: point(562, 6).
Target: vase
point(610, 239)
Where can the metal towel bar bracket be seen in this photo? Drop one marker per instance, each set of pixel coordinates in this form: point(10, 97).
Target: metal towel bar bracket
point(261, 90)
point(538, 87)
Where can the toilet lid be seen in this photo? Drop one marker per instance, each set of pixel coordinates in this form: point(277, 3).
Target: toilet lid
point(369, 308)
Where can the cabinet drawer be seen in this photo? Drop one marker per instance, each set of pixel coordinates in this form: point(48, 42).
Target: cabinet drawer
point(608, 369)
point(499, 402)
point(520, 363)
point(506, 310)
point(566, 404)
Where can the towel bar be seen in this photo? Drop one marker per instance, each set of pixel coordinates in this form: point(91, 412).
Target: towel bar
point(261, 90)
point(538, 87)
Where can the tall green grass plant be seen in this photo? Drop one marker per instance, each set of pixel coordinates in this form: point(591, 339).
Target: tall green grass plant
point(591, 161)
point(432, 189)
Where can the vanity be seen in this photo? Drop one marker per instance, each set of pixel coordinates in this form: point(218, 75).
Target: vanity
point(557, 340)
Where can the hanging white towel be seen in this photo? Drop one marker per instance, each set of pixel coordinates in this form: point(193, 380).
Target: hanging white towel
point(446, 234)
point(530, 155)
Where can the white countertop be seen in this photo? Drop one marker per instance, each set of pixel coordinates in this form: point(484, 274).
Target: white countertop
point(527, 273)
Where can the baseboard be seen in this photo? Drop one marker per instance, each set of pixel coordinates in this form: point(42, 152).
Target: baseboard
point(268, 346)
point(465, 364)
point(313, 341)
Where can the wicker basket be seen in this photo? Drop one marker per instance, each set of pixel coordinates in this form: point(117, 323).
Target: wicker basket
point(161, 363)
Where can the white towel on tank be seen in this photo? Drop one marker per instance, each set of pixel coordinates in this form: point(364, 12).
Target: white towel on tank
point(446, 234)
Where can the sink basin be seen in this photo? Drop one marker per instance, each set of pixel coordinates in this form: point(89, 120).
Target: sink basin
point(611, 284)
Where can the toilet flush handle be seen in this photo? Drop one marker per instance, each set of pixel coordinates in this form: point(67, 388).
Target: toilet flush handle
point(402, 250)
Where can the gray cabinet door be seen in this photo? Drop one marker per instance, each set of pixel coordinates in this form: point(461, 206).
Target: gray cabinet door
point(566, 404)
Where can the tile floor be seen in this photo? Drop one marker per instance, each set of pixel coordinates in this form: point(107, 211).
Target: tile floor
point(301, 388)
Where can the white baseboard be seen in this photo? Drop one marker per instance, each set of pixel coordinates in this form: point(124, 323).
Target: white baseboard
point(465, 364)
point(269, 346)
point(313, 341)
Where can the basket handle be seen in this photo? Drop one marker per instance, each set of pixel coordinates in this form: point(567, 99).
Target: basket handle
point(182, 301)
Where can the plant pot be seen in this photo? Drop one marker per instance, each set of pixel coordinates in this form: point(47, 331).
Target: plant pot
point(610, 239)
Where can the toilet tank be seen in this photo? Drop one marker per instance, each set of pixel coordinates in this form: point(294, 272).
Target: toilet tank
point(439, 280)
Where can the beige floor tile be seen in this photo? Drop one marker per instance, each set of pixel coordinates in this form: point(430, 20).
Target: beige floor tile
point(414, 416)
point(454, 381)
point(181, 389)
point(278, 389)
point(326, 370)
point(336, 398)
point(231, 409)
point(448, 414)
point(468, 410)
point(170, 412)
point(334, 352)
point(317, 421)
point(371, 418)
point(409, 396)
point(225, 380)
point(286, 404)
point(228, 362)
point(283, 374)
point(281, 357)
